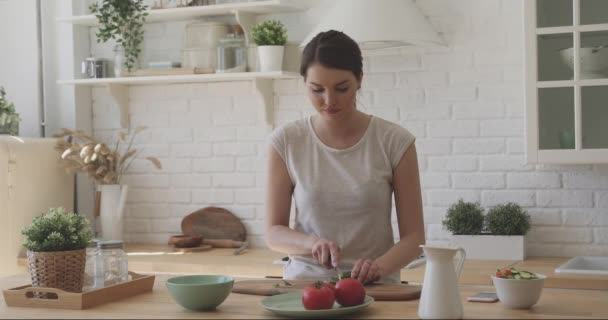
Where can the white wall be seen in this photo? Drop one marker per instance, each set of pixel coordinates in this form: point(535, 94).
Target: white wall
point(465, 103)
point(19, 62)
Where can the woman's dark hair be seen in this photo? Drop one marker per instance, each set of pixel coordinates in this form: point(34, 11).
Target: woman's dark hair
point(333, 49)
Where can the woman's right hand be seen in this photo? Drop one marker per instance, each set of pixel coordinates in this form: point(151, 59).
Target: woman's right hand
point(326, 252)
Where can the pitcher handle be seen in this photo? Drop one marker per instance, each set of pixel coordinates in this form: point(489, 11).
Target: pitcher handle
point(463, 256)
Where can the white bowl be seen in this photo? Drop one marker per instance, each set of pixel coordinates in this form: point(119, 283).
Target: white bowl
point(593, 65)
point(519, 294)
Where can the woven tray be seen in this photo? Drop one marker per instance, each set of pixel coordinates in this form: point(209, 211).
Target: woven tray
point(24, 296)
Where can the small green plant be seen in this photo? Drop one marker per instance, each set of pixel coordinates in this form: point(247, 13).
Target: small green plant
point(508, 220)
point(464, 218)
point(9, 118)
point(269, 33)
point(58, 230)
point(123, 21)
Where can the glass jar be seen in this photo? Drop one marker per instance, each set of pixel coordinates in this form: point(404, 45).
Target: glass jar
point(119, 60)
point(113, 263)
point(232, 54)
point(91, 281)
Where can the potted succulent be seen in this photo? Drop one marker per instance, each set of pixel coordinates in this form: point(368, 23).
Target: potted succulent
point(270, 36)
point(107, 166)
point(9, 118)
point(497, 235)
point(56, 250)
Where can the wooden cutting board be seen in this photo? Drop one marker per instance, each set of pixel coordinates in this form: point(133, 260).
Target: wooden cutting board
point(214, 223)
point(380, 292)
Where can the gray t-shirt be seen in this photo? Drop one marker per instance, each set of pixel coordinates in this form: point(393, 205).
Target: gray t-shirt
point(343, 195)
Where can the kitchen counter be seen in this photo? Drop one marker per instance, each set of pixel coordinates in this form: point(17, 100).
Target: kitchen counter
point(554, 303)
point(258, 263)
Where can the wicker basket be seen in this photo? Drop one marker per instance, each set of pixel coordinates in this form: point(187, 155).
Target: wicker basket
point(60, 269)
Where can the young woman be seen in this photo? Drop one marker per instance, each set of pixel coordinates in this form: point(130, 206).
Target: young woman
point(342, 166)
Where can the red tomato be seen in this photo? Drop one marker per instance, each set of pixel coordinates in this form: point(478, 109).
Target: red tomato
point(318, 296)
point(498, 274)
point(350, 292)
point(506, 272)
point(331, 286)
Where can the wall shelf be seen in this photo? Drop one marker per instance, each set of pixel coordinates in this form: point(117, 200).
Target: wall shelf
point(187, 13)
point(119, 87)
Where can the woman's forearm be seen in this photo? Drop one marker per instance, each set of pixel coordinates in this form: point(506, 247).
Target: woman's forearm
point(286, 240)
point(402, 253)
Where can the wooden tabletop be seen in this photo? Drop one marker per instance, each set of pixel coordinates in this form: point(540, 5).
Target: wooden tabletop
point(554, 303)
point(258, 263)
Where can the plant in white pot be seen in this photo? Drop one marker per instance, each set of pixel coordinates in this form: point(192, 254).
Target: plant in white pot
point(83, 153)
point(508, 224)
point(498, 235)
point(56, 250)
point(9, 118)
point(270, 36)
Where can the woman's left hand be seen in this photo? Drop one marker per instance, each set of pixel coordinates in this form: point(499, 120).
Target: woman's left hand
point(366, 270)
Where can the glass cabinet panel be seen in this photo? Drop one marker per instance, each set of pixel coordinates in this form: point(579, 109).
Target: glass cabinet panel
point(555, 57)
point(554, 13)
point(594, 11)
point(556, 118)
point(594, 54)
point(595, 117)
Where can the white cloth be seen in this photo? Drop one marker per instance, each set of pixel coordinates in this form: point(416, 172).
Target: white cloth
point(342, 195)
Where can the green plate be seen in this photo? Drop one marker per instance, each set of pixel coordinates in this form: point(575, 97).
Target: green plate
point(290, 305)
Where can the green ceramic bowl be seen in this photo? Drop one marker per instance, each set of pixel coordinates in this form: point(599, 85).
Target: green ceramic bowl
point(200, 292)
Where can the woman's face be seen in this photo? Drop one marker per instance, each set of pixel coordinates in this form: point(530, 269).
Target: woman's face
point(333, 92)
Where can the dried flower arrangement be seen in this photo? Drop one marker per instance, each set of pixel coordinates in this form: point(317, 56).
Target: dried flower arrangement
point(83, 153)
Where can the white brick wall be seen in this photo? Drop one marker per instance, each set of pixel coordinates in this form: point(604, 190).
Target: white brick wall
point(464, 103)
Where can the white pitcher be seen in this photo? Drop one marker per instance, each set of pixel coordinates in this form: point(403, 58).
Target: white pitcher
point(440, 298)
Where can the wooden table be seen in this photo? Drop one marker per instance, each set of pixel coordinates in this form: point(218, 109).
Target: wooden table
point(554, 303)
point(258, 263)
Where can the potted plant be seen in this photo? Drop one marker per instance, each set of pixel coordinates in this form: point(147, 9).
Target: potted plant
point(9, 118)
point(106, 166)
point(56, 250)
point(498, 235)
point(123, 21)
point(464, 218)
point(508, 224)
point(270, 36)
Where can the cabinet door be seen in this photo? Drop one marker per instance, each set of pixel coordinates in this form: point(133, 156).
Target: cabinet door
point(567, 81)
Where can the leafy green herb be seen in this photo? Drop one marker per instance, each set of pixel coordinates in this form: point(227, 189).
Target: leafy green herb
point(464, 218)
point(507, 219)
point(58, 230)
point(123, 21)
point(269, 33)
point(9, 118)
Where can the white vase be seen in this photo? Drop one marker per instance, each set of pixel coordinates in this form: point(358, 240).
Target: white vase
point(270, 58)
point(111, 210)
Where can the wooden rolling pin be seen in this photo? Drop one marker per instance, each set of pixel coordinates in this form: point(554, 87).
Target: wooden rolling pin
point(223, 243)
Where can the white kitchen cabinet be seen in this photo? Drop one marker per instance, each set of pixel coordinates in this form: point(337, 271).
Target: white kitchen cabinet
point(567, 81)
point(31, 181)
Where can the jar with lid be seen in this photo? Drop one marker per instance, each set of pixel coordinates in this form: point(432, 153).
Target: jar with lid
point(232, 53)
point(91, 274)
point(112, 262)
